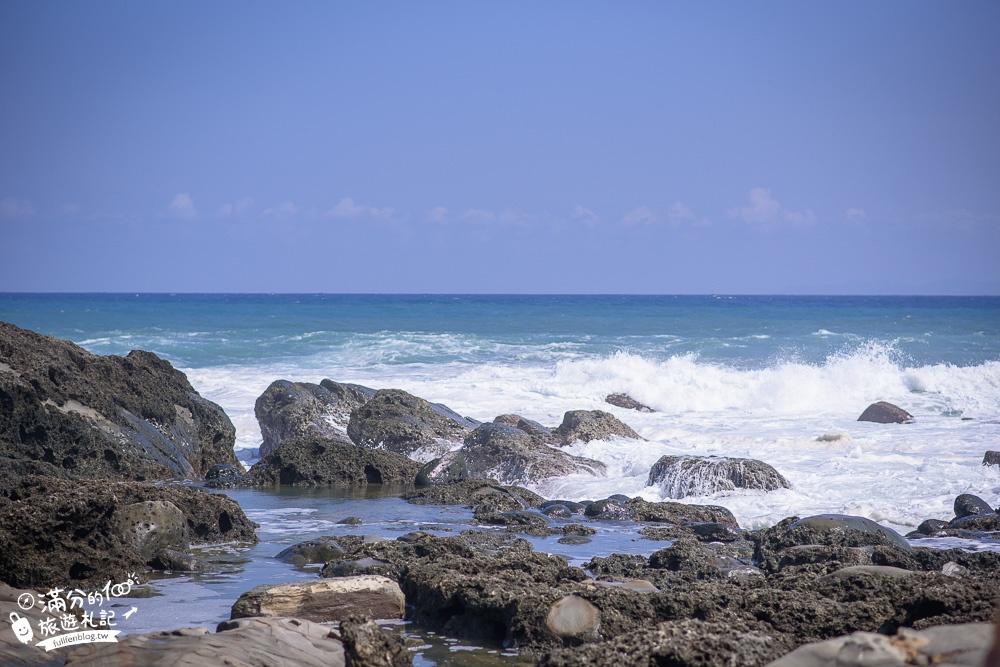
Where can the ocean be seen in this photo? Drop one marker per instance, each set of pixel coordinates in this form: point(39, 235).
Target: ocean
point(782, 379)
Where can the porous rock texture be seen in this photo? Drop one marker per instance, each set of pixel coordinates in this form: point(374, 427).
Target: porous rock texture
point(69, 413)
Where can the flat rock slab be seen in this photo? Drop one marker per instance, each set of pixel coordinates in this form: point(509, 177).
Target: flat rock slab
point(249, 642)
point(964, 644)
point(325, 600)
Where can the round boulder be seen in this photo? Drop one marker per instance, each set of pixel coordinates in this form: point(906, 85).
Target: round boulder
point(153, 525)
point(574, 620)
point(885, 413)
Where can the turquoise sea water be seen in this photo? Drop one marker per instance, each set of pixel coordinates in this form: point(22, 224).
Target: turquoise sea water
point(782, 379)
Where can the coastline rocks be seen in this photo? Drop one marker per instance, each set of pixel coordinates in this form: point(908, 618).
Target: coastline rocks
point(60, 532)
point(963, 644)
point(587, 425)
point(446, 469)
point(288, 410)
point(885, 413)
point(991, 458)
point(680, 513)
point(316, 461)
point(247, 642)
point(511, 456)
point(399, 422)
point(682, 476)
point(76, 414)
point(627, 402)
point(324, 599)
point(153, 525)
point(319, 550)
point(532, 428)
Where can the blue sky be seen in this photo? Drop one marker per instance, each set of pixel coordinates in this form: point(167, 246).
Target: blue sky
point(557, 147)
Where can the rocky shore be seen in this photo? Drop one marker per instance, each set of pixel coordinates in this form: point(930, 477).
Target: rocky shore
point(103, 459)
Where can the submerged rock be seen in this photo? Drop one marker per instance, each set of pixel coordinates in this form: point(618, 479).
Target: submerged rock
point(682, 476)
point(315, 461)
point(288, 410)
point(587, 425)
point(399, 422)
point(319, 550)
point(885, 413)
point(511, 456)
point(70, 413)
point(324, 600)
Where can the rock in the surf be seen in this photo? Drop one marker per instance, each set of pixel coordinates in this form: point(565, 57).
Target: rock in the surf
point(399, 422)
point(447, 469)
point(885, 413)
point(288, 410)
point(682, 476)
point(967, 504)
point(70, 413)
point(511, 456)
point(627, 402)
point(532, 428)
point(318, 550)
point(991, 458)
point(587, 425)
point(316, 461)
point(324, 600)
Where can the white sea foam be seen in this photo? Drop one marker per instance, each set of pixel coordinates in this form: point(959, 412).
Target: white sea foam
point(782, 413)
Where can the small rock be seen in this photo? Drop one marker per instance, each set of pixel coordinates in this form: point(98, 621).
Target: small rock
point(153, 525)
point(991, 458)
point(953, 569)
point(627, 402)
point(574, 540)
point(885, 413)
point(931, 526)
point(574, 620)
point(350, 521)
point(446, 469)
point(178, 561)
point(609, 509)
point(320, 550)
point(368, 645)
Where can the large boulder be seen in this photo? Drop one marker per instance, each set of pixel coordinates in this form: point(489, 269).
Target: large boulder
point(967, 504)
point(71, 413)
point(587, 425)
point(399, 422)
point(288, 410)
point(317, 461)
point(511, 456)
point(682, 476)
point(885, 413)
point(324, 600)
point(56, 532)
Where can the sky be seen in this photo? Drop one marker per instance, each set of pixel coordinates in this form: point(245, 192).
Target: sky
point(500, 147)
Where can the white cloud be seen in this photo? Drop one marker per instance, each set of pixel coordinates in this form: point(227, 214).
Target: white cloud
point(182, 206)
point(764, 210)
point(639, 216)
point(585, 215)
point(858, 213)
point(280, 212)
point(480, 215)
point(347, 208)
point(438, 214)
point(680, 214)
point(237, 208)
point(16, 208)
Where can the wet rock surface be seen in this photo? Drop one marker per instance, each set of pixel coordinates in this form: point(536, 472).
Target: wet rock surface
point(587, 425)
point(470, 492)
point(512, 456)
point(885, 413)
point(288, 410)
point(316, 461)
point(627, 402)
point(399, 422)
point(67, 412)
point(56, 532)
point(324, 600)
point(682, 476)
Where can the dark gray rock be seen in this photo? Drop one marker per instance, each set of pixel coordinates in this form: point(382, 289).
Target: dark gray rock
point(682, 476)
point(511, 456)
point(968, 505)
point(532, 428)
point(885, 413)
point(470, 492)
point(79, 415)
point(315, 461)
point(991, 458)
point(446, 469)
point(680, 513)
point(587, 425)
point(179, 561)
point(575, 508)
point(319, 550)
point(627, 402)
point(931, 526)
point(399, 422)
point(288, 410)
point(980, 523)
point(610, 509)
